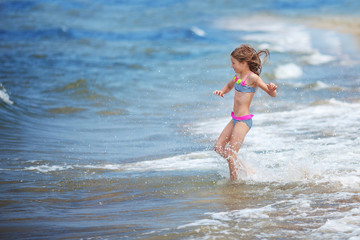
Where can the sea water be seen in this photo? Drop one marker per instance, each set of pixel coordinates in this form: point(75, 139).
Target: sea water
point(107, 121)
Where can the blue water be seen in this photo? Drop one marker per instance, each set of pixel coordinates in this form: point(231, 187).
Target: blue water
point(107, 117)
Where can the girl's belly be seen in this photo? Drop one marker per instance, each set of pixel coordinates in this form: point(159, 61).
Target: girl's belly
point(242, 103)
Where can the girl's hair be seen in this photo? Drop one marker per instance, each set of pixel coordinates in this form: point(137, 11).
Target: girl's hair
point(251, 56)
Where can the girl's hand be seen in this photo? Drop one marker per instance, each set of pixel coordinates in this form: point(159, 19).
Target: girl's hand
point(219, 93)
point(271, 86)
point(272, 89)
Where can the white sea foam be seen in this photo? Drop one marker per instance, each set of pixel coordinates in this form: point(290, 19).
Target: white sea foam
point(317, 58)
point(278, 35)
point(272, 33)
point(304, 210)
point(314, 143)
point(206, 160)
point(287, 71)
point(198, 161)
point(348, 225)
point(321, 85)
point(318, 85)
point(46, 168)
point(204, 222)
point(4, 96)
point(293, 39)
point(198, 31)
point(317, 143)
point(246, 213)
point(225, 219)
point(265, 24)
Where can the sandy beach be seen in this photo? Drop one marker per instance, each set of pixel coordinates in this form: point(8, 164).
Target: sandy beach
point(342, 24)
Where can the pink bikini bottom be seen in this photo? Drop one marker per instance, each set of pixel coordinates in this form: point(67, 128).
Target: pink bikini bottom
point(242, 118)
point(247, 119)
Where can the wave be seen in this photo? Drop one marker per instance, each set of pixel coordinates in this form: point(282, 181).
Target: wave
point(265, 30)
point(319, 85)
point(317, 143)
point(198, 31)
point(4, 96)
point(65, 33)
point(81, 89)
point(201, 161)
point(246, 222)
point(347, 224)
point(65, 110)
point(317, 58)
point(224, 219)
point(36, 34)
point(287, 71)
point(303, 144)
point(46, 168)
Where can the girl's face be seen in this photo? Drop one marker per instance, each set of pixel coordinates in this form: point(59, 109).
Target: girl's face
point(236, 65)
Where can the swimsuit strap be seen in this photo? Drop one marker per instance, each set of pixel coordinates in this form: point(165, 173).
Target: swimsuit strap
point(235, 78)
point(247, 77)
point(243, 83)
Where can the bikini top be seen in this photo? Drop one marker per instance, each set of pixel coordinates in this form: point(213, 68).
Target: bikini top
point(241, 86)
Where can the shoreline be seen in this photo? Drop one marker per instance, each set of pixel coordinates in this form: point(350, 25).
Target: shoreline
point(343, 24)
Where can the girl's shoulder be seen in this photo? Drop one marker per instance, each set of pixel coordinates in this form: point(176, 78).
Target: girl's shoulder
point(253, 79)
point(253, 76)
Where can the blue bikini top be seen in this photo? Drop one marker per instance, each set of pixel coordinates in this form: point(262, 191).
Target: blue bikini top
point(241, 86)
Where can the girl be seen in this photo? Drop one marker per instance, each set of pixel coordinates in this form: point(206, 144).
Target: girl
point(247, 66)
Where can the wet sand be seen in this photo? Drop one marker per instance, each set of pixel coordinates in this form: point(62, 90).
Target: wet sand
point(343, 24)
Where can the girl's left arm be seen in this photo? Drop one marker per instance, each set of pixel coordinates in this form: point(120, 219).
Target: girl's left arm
point(268, 88)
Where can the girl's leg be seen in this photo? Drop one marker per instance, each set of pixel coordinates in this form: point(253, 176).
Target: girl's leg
point(237, 138)
point(223, 139)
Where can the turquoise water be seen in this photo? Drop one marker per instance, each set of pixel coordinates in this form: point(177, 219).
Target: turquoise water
point(107, 121)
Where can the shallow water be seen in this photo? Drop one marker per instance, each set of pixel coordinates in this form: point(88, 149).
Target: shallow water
point(107, 121)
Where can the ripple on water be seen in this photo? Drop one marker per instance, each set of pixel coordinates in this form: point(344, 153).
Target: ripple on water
point(65, 110)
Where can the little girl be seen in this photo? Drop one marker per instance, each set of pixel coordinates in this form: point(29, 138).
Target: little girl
point(246, 63)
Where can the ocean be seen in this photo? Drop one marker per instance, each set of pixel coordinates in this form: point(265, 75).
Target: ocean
point(108, 121)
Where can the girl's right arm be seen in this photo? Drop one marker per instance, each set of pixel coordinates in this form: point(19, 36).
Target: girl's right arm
point(227, 88)
point(268, 88)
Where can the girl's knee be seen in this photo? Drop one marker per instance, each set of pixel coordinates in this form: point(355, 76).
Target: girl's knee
point(219, 149)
